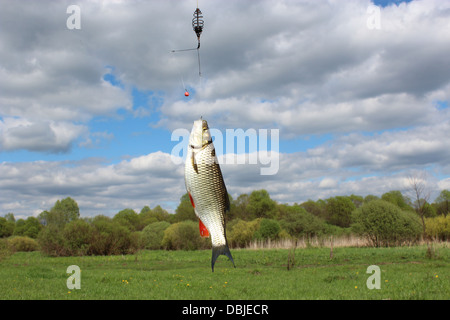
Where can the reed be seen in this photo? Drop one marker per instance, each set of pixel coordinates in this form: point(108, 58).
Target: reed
point(323, 242)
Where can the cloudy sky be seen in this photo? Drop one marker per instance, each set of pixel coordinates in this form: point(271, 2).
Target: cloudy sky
point(359, 93)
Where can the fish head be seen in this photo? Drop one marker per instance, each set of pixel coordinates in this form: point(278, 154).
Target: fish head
point(200, 134)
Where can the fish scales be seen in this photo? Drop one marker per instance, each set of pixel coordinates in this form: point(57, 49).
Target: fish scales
point(209, 193)
point(206, 187)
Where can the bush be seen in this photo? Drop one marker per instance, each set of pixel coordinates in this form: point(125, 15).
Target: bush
point(298, 222)
point(242, 232)
point(6, 228)
point(29, 228)
point(385, 224)
point(438, 227)
point(339, 211)
point(103, 236)
point(128, 218)
point(153, 235)
point(109, 237)
point(184, 235)
point(24, 244)
point(5, 249)
point(51, 242)
point(268, 229)
point(77, 236)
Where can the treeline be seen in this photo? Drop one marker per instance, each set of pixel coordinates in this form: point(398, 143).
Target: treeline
point(391, 219)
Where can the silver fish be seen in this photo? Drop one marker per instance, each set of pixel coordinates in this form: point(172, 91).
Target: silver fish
point(206, 189)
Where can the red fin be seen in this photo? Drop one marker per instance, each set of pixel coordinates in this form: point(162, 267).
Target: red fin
point(203, 231)
point(192, 200)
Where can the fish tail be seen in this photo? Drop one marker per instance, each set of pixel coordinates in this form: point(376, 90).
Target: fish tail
point(217, 251)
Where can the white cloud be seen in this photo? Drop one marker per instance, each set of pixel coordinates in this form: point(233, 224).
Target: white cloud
point(147, 180)
point(304, 67)
point(37, 135)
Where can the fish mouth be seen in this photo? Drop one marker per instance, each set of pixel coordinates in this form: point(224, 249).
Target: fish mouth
point(203, 146)
point(200, 136)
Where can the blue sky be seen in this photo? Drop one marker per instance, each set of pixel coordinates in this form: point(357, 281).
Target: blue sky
point(89, 113)
point(384, 3)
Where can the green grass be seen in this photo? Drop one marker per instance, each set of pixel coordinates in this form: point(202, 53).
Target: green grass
point(406, 273)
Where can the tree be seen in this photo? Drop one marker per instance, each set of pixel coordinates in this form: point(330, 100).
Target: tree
point(128, 218)
point(183, 235)
point(10, 217)
point(397, 198)
point(268, 229)
point(357, 200)
point(239, 208)
point(6, 228)
point(109, 237)
point(185, 210)
point(153, 234)
point(339, 210)
point(370, 197)
point(384, 223)
point(241, 232)
point(160, 214)
point(442, 203)
point(260, 205)
point(298, 222)
point(63, 212)
point(317, 208)
point(68, 208)
point(29, 227)
point(439, 227)
point(421, 195)
point(77, 237)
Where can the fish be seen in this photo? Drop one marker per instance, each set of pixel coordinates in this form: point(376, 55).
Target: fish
point(206, 188)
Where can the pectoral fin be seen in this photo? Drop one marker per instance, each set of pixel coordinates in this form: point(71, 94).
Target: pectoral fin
point(194, 165)
point(192, 200)
point(203, 230)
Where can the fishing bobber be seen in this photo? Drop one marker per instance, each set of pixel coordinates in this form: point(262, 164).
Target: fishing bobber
point(186, 94)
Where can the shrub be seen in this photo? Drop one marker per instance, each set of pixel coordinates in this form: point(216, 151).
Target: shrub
point(385, 224)
point(109, 237)
point(51, 241)
point(23, 244)
point(136, 242)
point(298, 222)
point(153, 235)
point(5, 249)
point(184, 235)
point(6, 227)
point(339, 211)
point(77, 236)
point(268, 229)
point(242, 232)
point(438, 227)
point(128, 218)
point(29, 227)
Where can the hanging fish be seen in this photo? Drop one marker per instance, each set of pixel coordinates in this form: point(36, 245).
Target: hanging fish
point(206, 189)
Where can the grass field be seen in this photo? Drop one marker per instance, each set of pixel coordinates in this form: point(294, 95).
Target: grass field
point(406, 273)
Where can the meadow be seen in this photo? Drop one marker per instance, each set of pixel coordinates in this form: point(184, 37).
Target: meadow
point(406, 273)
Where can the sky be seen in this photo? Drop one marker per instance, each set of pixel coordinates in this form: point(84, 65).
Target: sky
point(357, 91)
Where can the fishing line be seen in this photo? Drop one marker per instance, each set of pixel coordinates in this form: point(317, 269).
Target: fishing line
point(199, 68)
point(197, 26)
